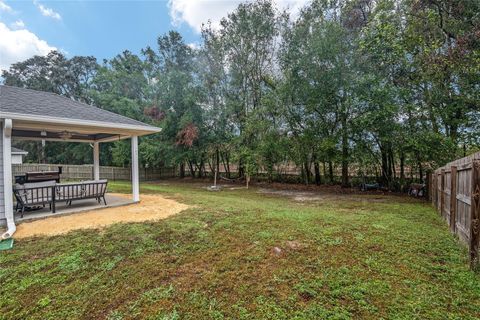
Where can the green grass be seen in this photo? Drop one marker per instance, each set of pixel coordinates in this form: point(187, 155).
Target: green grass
point(393, 259)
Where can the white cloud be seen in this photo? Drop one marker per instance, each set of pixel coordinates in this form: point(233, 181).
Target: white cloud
point(194, 45)
point(47, 12)
point(18, 45)
point(196, 12)
point(19, 24)
point(5, 7)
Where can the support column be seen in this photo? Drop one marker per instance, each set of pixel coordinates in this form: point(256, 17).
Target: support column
point(135, 176)
point(96, 161)
point(6, 136)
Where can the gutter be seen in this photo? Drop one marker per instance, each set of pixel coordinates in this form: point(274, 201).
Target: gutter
point(7, 178)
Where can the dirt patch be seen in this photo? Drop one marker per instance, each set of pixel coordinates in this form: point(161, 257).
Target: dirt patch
point(151, 207)
point(303, 196)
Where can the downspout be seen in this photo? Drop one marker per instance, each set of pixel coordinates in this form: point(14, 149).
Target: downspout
point(7, 178)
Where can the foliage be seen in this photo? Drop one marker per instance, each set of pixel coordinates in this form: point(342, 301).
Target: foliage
point(376, 88)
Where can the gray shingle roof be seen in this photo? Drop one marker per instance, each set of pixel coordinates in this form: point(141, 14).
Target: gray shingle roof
point(16, 150)
point(31, 102)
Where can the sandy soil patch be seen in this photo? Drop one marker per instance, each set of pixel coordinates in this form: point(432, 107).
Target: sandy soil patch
point(151, 207)
point(302, 196)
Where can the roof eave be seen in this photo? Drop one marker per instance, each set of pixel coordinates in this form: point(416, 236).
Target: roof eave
point(113, 127)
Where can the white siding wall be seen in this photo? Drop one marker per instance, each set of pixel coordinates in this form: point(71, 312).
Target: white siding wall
point(2, 203)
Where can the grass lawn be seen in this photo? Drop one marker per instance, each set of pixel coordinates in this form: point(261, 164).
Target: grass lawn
point(339, 259)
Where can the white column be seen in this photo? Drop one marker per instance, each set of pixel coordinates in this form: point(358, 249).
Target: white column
point(96, 161)
point(7, 177)
point(135, 176)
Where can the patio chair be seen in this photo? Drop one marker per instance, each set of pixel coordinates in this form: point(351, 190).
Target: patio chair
point(69, 191)
point(34, 194)
point(96, 189)
point(91, 189)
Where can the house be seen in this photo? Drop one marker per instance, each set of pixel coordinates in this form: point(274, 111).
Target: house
point(17, 155)
point(36, 115)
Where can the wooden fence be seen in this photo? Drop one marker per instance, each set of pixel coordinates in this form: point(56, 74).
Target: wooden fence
point(455, 193)
point(85, 172)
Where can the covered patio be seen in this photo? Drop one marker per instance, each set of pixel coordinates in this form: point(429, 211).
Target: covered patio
point(36, 115)
point(84, 205)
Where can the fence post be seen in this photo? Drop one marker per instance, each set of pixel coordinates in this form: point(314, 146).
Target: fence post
point(434, 188)
point(428, 188)
point(453, 198)
point(475, 215)
point(442, 194)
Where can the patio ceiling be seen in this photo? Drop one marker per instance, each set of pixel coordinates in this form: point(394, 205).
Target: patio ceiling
point(57, 129)
point(60, 136)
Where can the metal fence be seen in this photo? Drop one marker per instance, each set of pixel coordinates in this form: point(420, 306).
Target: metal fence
point(456, 196)
point(85, 172)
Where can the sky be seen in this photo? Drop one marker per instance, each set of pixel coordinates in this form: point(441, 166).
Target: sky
point(104, 28)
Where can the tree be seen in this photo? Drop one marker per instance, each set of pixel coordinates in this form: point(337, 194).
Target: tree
point(376, 88)
point(55, 73)
point(318, 63)
point(249, 36)
point(176, 95)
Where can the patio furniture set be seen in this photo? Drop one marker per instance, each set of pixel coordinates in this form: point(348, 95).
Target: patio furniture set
point(39, 194)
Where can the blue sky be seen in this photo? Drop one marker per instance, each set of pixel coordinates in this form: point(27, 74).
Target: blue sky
point(100, 28)
point(103, 28)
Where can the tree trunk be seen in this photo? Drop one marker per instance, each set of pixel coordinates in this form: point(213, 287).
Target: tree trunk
point(392, 161)
point(217, 162)
point(201, 168)
point(345, 182)
point(192, 170)
point(386, 177)
point(307, 172)
point(330, 169)
point(229, 172)
point(318, 179)
point(211, 166)
point(402, 170)
point(182, 170)
point(420, 171)
point(241, 170)
point(226, 164)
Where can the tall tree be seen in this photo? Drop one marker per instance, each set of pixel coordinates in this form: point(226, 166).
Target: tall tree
point(54, 73)
point(249, 36)
point(176, 95)
point(319, 65)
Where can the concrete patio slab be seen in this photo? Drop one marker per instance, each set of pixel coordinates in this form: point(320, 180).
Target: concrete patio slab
point(113, 200)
